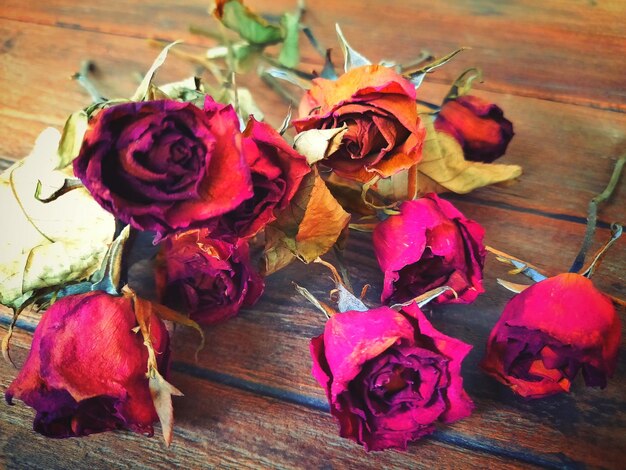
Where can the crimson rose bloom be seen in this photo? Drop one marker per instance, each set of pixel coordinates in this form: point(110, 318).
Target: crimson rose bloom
point(165, 165)
point(550, 331)
point(277, 170)
point(428, 245)
point(480, 127)
point(389, 375)
point(86, 370)
point(210, 279)
point(385, 134)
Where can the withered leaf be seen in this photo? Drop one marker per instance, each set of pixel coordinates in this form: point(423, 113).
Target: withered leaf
point(352, 58)
point(308, 228)
point(443, 168)
point(290, 52)
point(144, 87)
point(250, 26)
point(317, 144)
point(71, 138)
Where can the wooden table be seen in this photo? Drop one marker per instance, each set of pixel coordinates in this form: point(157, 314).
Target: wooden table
point(557, 68)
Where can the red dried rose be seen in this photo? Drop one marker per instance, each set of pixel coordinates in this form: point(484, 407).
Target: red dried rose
point(428, 245)
point(207, 278)
point(479, 126)
point(550, 331)
point(165, 165)
point(277, 171)
point(377, 105)
point(86, 370)
point(389, 375)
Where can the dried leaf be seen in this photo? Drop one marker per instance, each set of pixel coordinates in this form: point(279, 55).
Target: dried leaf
point(308, 228)
point(417, 77)
point(108, 277)
point(463, 84)
point(71, 138)
point(513, 287)
point(166, 313)
point(317, 144)
point(162, 391)
point(250, 26)
point(347, 301)
point(352, 58)
point(47, 244)
point(321, 306)
point(288, 76)
point(443, 168)
point(142, 91)
point(425, 298)
point(290, 52)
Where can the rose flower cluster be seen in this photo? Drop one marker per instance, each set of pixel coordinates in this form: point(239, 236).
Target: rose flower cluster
point(211, 187)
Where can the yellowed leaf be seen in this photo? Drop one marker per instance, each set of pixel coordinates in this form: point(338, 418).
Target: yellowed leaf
point(443, 168)
point(47, 244)
point(308, 228)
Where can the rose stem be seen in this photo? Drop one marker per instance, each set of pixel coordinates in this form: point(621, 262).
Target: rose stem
point(593, 214)
point(429, 105)
point(342, 268)
point(82, 77)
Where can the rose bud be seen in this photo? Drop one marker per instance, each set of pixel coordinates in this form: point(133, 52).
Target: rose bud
point(428, 245)
point(384, 132)
point(207, 278)
point(165, 165)
point(389, 375)
point(277, 170)
point(550, 331)
point(480, 127)
point(86, 370)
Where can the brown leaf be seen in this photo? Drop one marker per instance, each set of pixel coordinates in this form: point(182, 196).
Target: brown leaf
point(162, 391)
point(308, 228)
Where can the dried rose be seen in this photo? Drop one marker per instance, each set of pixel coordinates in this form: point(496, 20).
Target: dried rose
point(277, 171)
point(210, 279)
point(86, 370)
point(389, 375)
point(550, 331)
point(480, 127)
point(430, 244)
point(377, 105)
point(165, 165)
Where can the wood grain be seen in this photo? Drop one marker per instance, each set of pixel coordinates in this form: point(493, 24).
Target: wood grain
point(555, 67)
point(584, 41)
point(566, 150)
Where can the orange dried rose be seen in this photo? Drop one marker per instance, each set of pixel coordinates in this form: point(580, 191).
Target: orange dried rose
point(384, 132)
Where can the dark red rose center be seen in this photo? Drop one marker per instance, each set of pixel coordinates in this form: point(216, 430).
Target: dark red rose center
point(414, 279)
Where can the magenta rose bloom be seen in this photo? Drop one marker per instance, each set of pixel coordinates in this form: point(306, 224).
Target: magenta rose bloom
point(551, 331)
point(277, 171)
point(207, 278)
point(428, 245)
point(480, 127)
point(389, 376)
point(86, 370)
point(165, 165)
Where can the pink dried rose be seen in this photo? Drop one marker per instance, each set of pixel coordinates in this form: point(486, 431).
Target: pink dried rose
point(389, 376)
point(165, 165)
point(551, 331)
point(86, 370)
point(207, 278)
point(479, 126)
point(277, 171)
point(385, 134)
point(428, 245)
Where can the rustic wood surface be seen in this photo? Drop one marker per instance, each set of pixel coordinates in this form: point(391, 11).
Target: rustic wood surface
point(557, 68)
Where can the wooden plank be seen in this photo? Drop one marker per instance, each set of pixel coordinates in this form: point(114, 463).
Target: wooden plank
point(553, 142)
point(581, 44)
point(217, 425)
point(265, 349)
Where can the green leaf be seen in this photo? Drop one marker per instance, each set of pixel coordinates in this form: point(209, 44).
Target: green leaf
point(290, 53)
point(307, 229)
point(249, 25)
point(144, 88)
point(72, 138)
